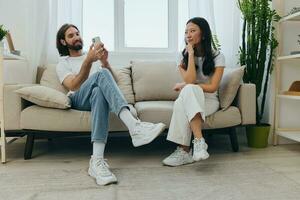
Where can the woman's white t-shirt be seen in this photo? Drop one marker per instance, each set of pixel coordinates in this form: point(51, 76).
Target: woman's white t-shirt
point(201, 78)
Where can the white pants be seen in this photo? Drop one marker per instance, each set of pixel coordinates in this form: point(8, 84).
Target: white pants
point(191, 100)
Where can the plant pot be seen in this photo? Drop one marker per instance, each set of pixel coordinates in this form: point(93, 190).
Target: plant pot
point(257, 135)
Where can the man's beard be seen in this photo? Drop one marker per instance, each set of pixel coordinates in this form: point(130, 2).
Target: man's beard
point(75, 47)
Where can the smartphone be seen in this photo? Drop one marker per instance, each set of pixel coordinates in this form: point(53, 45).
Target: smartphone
point(96, 40)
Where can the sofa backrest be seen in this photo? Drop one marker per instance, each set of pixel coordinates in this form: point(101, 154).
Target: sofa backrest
point(154, 80)
point(50, 79)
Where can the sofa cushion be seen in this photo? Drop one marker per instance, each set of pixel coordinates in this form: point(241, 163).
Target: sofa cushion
point(223, 118)
point(153, 80)
point(49, 119)
point(123, 79)
point(155, 111)
point(50, 79)
point(45, 96)
point(161, 111)
point(229, 86)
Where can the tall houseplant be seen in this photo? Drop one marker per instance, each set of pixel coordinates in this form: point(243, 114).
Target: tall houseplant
point(257, 53)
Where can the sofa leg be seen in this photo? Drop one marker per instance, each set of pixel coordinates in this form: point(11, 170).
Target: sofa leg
point(29, 146)
point(234, 140)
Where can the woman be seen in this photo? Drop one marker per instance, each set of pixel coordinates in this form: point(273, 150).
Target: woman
point(201, 68)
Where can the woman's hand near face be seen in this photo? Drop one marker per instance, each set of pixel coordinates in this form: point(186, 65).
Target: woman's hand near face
point(190, 49)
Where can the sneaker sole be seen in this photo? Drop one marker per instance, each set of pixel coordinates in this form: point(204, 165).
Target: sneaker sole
point(169, 165)
point(161, 128)
point(202, 158)
point(102, 182)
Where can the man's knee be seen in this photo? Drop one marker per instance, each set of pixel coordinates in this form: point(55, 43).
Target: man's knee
point(104, 71)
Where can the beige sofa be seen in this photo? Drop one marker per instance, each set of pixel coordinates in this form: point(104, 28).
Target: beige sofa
point(145, 85)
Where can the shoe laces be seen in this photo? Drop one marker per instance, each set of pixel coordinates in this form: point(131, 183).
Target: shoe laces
point(198, 145)
point(144, 124)
point(179, 152)
point(102, 165)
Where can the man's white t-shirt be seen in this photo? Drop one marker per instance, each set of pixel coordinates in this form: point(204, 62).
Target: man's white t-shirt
point(71, 65)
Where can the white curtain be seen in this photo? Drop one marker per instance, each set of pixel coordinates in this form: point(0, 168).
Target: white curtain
point(43, 20)
point(224, 18)
point(205, 9)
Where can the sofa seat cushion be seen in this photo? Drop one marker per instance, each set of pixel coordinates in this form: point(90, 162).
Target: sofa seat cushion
point(49, 119)
point(161, 111)
point(155, 111)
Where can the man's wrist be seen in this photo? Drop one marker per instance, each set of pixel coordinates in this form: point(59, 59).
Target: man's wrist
point(105, 64)
point(88, 60)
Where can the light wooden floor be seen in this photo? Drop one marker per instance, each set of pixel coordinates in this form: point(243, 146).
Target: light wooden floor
point(59, 171)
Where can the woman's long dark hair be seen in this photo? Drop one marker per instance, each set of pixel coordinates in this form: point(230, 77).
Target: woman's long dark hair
point(63, 50)
point(204, 48)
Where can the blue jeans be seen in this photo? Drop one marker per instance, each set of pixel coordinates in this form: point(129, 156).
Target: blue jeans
point(100, 95)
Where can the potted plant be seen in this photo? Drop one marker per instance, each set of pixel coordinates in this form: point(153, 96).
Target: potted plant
point(3, 33)
point(257, 53)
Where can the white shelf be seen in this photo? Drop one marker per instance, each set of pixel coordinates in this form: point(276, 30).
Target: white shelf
point(292, 135)
point(284, 96)
point(293, 17)
point(293, 20)
point(296, 56)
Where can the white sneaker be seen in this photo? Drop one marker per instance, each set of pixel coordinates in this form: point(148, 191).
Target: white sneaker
point(99, 169)
point(178, 157)
point(145, 132)
point(200, 149)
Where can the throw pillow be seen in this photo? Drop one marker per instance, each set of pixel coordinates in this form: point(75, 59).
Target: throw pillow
point(45, 97)
point(229, 86)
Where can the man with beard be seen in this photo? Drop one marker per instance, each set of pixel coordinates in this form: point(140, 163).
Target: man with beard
point(93, 88)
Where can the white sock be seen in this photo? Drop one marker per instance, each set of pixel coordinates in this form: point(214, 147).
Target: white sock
point(128, 119)
point(98, 149)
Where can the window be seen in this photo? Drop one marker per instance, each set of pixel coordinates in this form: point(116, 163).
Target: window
point(143, 27)
point(136, 25)
point(98, 20)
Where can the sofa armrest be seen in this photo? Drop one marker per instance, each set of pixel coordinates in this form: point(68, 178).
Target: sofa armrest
point(13, 105)
point(246, 102)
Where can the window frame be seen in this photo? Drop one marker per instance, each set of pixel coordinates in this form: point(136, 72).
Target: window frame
point(119, 35)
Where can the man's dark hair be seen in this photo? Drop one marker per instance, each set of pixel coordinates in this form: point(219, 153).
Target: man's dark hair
point(63, 50)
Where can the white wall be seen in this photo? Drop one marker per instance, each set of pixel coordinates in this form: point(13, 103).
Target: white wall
point(13, 16)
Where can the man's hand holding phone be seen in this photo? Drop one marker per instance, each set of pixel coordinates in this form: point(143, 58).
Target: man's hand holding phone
point(102, 53)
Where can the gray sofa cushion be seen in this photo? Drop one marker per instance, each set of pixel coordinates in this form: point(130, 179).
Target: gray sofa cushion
point(123, 76)
point(161, 111)
point(229, 86)
point(50, 79)
point(45, 96)
point(49, 119)
point(154, 80)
